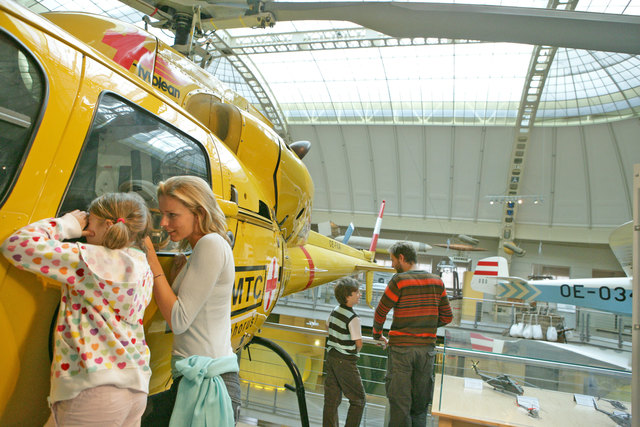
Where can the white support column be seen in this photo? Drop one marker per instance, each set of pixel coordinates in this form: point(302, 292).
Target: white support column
point(635, 333)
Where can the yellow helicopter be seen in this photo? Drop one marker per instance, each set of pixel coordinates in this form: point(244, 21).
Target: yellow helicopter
point(93, 105)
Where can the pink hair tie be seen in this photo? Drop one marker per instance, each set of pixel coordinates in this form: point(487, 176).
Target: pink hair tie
point(120, 220)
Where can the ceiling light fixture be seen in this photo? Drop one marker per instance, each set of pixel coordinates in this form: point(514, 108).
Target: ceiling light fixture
point(512, 199)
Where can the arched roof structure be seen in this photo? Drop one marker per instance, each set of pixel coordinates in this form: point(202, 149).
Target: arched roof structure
point(434, 126)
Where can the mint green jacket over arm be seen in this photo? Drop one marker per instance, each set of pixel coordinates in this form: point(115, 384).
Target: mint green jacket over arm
point(202, 398)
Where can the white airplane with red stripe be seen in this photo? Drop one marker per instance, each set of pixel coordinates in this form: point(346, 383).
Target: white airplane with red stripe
point(611, 294)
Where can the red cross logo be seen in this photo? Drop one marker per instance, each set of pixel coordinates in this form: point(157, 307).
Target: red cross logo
point(271, 285)
point(130, 47)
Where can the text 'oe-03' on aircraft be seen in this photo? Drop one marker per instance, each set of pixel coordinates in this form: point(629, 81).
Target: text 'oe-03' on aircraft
point(612, 294)
point(92, 105)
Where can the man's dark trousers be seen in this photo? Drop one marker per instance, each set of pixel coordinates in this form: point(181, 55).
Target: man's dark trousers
point(409, 384)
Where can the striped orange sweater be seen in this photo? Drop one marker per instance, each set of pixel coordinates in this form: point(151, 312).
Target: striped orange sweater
point(420, 304)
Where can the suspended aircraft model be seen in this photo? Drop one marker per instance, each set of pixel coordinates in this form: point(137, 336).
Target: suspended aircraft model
point(460, 247)
point(383, 245)
point(92, 105)
point(468, 244)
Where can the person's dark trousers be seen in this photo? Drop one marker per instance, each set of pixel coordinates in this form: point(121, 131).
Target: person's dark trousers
point(342, 377)
point(160, 405)
point(409, 384)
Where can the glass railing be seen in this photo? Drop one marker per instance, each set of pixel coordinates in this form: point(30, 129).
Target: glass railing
point(267, 383)
point(517, 390)
point(268, 386)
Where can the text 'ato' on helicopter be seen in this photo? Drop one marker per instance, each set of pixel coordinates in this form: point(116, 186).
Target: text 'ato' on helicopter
point(93, 105)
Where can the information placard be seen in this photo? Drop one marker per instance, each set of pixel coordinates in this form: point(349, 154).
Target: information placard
point(472, 384)
point(583, 399)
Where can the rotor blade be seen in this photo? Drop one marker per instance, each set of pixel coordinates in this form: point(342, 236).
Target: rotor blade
point(561, 28)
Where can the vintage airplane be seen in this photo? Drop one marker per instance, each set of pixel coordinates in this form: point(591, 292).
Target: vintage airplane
point(611, 294)
point(468, 243)
point(502, 383)
point(92, 105)
point(383, 245)
point(460, 247)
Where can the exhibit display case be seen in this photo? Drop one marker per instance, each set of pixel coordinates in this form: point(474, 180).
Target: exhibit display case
point(493, 388)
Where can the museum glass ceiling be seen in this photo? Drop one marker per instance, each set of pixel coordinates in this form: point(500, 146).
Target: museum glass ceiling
point(414, 81)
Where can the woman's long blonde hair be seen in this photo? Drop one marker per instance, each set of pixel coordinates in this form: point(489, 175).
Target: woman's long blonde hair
point(196, 195)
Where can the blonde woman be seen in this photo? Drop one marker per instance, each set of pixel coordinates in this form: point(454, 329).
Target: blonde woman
point(197, 307)
point(100, 369)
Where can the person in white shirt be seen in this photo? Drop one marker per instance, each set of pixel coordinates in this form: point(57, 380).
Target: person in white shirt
point(197, 305)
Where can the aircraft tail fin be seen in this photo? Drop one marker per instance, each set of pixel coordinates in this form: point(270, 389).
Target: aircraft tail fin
point(369, 270)
point(348, 234)
point(488, 273)
point(369, 288)
point(621, 243)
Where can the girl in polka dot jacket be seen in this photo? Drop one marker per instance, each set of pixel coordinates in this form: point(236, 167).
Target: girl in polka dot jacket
point(100, 351)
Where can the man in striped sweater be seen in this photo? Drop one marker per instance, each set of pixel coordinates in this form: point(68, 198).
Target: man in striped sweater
point(420, 305)
point(343, 345)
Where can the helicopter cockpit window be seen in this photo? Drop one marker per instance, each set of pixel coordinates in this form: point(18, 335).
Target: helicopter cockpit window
point(129, 149)
point(21, 100)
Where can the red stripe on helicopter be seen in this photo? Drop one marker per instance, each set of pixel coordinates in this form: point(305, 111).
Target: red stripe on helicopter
point(312, 267)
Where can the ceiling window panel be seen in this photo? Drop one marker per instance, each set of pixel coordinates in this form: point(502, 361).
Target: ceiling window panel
point(481, 83)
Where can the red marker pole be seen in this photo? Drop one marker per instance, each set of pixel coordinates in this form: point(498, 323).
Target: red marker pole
point(376, 231)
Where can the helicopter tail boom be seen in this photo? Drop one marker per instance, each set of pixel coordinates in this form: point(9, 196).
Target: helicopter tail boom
point(323, 260)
